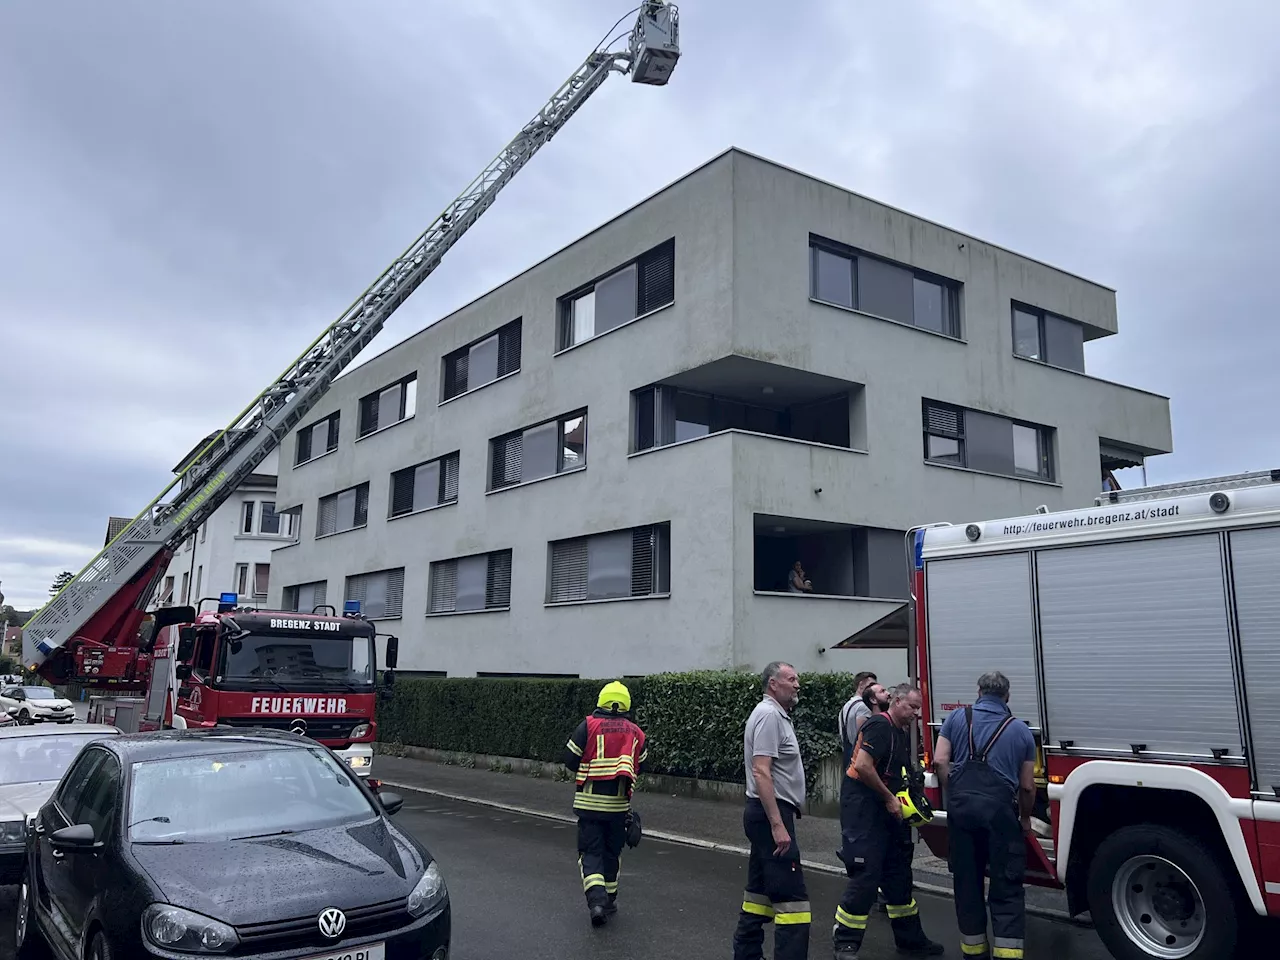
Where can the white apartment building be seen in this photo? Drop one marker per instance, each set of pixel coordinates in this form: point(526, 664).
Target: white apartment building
point(609, 464)
point(231, 552)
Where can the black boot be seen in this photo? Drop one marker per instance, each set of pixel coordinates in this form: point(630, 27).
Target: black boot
point(922, 948)
point(611, 907)
point(909, 937)
point(599, 915)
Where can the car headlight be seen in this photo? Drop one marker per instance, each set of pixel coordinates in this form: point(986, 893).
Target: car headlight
point(429, 891)
point(12, 831)
point(185, 931)
point(360, 732)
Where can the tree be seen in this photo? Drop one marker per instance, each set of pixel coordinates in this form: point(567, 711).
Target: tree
point(61, 580)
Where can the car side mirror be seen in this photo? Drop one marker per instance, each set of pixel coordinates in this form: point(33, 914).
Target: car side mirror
point(186, 643)
point(182, 671)
point(391, 803)
point(78, 836)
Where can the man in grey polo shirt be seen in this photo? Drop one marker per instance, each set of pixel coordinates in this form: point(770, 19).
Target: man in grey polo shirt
point(775, 795)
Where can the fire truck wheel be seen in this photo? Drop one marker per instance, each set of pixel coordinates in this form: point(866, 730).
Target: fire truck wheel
point(1157, 892)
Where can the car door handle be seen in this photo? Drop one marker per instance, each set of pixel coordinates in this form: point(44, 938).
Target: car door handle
point(57, 854)
point(39, 827)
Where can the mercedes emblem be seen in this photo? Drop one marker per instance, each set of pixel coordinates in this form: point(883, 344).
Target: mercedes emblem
point(298, 726)
point(332, 922)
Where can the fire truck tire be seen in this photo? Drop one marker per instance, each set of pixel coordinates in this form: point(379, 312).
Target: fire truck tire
point(1157, 892)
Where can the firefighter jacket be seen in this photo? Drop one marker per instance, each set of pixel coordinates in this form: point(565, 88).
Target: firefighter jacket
point(607, 752)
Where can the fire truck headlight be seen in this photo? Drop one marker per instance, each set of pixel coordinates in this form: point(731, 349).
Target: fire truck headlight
point(357, 762)
point(360, 731)
point(185, 931)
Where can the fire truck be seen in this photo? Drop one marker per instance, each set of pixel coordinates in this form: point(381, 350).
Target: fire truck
point(96, 632)
point(313, 674)
point(1141, 639)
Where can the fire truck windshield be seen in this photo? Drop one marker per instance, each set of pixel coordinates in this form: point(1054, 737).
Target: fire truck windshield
point(308, 661)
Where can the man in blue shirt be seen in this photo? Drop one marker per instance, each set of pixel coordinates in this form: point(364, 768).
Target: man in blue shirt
point(985, 760)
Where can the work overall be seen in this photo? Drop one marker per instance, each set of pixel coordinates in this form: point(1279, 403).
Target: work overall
point(984, 833)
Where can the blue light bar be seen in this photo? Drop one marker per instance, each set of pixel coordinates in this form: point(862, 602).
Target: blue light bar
point(351, 606)
point(231, 598)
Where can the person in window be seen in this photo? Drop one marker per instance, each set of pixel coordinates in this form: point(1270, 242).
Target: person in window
point(798, 582)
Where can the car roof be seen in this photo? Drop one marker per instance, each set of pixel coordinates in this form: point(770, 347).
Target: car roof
point(169, 744)
point(60, 730)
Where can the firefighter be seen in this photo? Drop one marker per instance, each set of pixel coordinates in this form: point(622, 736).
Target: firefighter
point(985, 761)
point(608, 752)
point(876, 842)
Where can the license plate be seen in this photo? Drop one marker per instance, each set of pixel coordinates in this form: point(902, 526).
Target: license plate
point(370, 951)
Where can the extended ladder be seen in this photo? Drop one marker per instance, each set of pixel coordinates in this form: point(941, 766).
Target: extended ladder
point(1166, 490)
point(119, 571)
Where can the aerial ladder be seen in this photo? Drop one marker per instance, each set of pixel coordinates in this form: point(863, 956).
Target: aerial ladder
point(98, 614)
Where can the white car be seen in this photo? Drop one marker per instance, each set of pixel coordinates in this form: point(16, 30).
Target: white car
point(35, 704)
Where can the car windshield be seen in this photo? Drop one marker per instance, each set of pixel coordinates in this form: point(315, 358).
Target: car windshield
point(301, 660)
point(35, 758)
point(39, 693)
point(242, 794)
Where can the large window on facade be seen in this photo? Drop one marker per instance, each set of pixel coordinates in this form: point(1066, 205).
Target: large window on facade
point(481, 362)
point(344, 510)
point(640, 287)
point(664, 414)
point(481, 581)
point(849, 278)
point(984, 441)
point(1047, 337)
point(389, 405)
point(316, 439)
point(305, 597)
point(608, 566)
point(543, 450)
point(381, 594)
point(424, 485)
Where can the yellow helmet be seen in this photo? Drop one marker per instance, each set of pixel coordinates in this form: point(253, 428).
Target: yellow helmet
point(916, 809)
point(615, 694)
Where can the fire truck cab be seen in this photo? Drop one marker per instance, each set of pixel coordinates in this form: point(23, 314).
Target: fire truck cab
point(1141, 638)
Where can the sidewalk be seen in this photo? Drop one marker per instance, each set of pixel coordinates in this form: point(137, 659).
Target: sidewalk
point(680, 819)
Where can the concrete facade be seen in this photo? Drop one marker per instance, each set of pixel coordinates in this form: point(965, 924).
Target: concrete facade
point(743, 325)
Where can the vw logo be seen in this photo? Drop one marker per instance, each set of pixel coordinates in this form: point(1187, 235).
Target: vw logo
point(299, 726)
point(332, 922)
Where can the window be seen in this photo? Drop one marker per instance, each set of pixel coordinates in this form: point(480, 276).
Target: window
point(269, 523)
point(664, 414)
point(556, 446)
point(425, 485)
point(166, 593)
point(478, 582)
point(261, 577)
point(75, 783)
point(305, 597)
point(247, 525)
point(317, 439)
point(388, 405)
point(607, 566)
point(186, 586)
point(984, 441)
point(343, 511)
point(97, 804)
point(242, 579)
point(381, 594)
point(640, 287)
point(1038, 335)
point(483, 361)
point(199, 580)
point(204, 530)
point(849, 278)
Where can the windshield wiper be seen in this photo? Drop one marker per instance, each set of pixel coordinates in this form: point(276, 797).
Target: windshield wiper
point(271, 680)
point(149, 820)
point(259, 836)
point(160, 843)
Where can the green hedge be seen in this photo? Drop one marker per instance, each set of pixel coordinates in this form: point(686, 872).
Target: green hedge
point(694, 720)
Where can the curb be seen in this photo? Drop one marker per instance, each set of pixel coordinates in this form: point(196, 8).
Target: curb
point(1047, 913)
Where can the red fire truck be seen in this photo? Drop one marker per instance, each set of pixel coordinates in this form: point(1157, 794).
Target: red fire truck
point(1141, 638)
point(313, 674)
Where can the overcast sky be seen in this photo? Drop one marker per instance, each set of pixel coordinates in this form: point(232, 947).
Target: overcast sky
point(190, 191)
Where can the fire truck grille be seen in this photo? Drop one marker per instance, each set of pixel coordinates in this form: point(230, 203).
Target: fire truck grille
point(305, 931)
point(318, 728)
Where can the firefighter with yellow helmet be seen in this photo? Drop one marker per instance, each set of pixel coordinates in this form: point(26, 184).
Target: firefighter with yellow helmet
point(877, 808)
point(607, 752)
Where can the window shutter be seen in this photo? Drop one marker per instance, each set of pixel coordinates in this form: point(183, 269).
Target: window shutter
point(332, 439)
point(455, 373)
point(327, 516)
point(449, 478)
point(569, 570)
point(357, 587)
point(395, 592)
point(941, 420)
point(402, 487)
point(509, 348)
point(506, 460)
point(368, 414)
point(360, 515)
point(444, 586)
point(657, 286)
point(497, 591)
point(318, 591)
point(642, 543)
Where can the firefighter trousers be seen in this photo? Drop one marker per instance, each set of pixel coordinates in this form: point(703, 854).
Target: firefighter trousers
point(876, 849)
point(997, 846)
point(775, 891)
point(600, 841)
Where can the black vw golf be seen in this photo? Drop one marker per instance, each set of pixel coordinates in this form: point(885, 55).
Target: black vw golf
point(226, 842)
